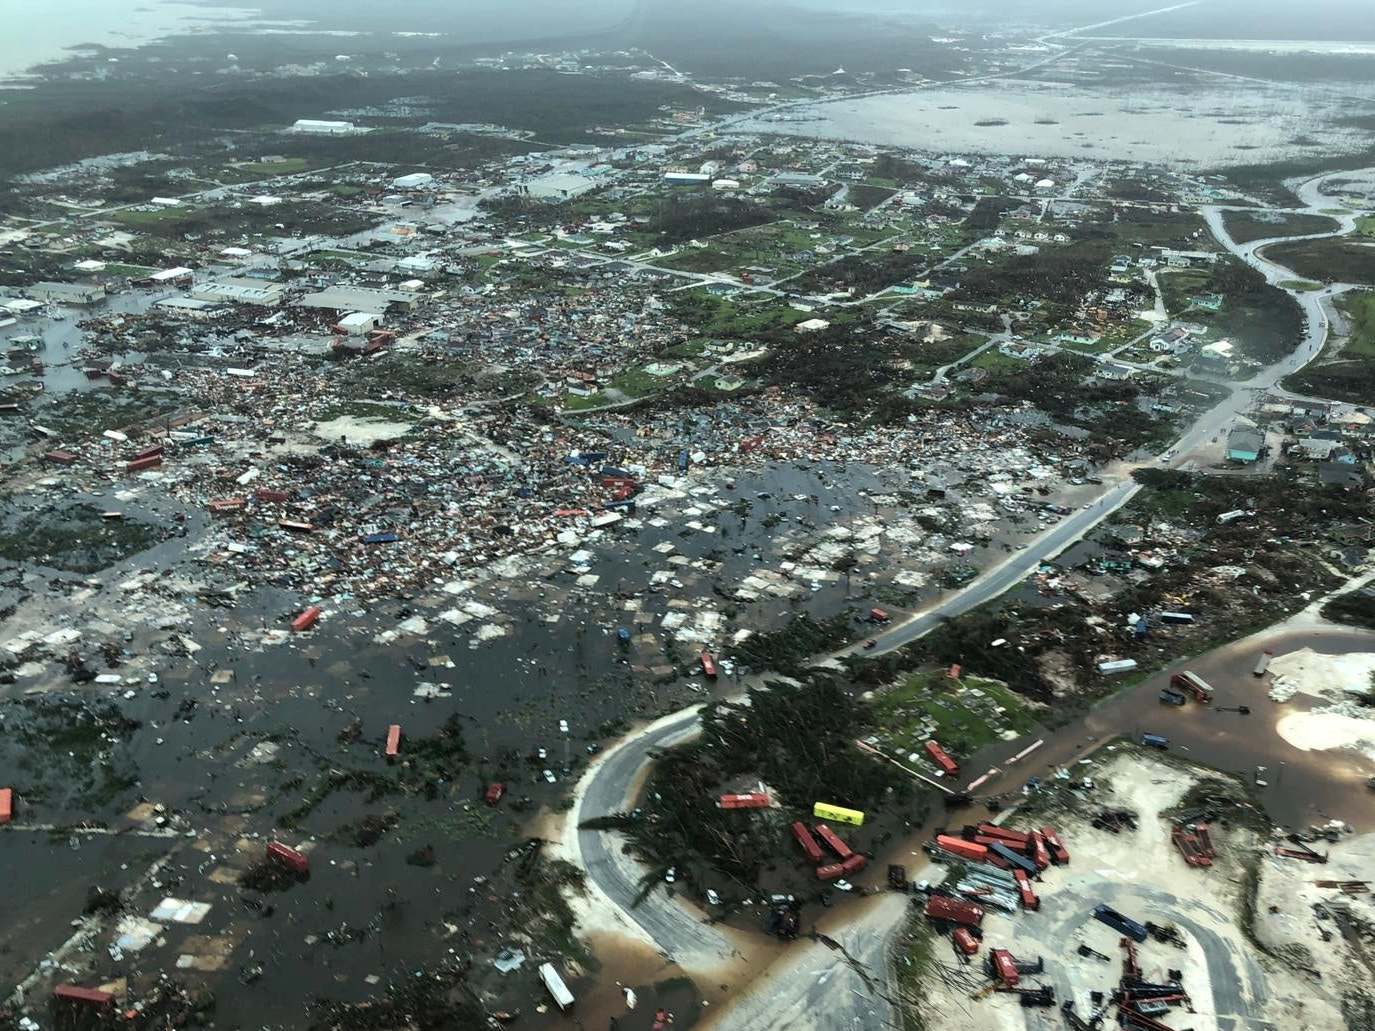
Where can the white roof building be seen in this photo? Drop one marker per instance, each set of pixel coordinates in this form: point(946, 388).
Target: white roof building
point(314, 125)
point(414, 181)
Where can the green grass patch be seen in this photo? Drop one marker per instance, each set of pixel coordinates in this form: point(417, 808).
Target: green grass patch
point(1304, 285)
point(967, 714)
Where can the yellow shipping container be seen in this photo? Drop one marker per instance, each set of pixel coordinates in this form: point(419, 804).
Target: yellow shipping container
point(838, 814)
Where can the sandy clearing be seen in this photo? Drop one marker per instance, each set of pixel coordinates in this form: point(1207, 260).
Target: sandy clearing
point(1321, 731)
point(1323, 676)
point(360, 431)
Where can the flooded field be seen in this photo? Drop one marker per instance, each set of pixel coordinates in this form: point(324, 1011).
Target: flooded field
point(1207, 126)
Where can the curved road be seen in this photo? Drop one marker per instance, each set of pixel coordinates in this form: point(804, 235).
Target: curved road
point(679, 930)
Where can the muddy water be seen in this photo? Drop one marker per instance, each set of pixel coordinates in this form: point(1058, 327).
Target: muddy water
point(1301, 787)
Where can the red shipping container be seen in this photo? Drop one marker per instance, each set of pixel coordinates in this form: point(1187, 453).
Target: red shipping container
point(149, 452)
point(963, 849)
point(295, 525)
point(92, 997)
point(829, 873)
point(751, 800)
point(264, 494)
point(494, 792)
point(833, 842)
point(1004, 967)
point(1058, 852)
point(854, 864)
point(6, 805)
point(965, 942)
point(151, 462)
point(306, 619)
point(288, 857)
point(1029, 899)
point(393, 740)
point(61, 457)
point(808, 843)
point(1038, 851)
point(939, 757)
point(958, 911)
point(1015, 839)
point(227, 505)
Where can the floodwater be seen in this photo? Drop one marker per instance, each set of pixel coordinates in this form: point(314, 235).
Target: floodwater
point(1300, 788)
point(1205, 126)
point(51, 31)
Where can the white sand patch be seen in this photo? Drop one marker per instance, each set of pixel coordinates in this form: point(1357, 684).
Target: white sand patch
point(1322, 676)
point(360, 431)
point(1321, 731)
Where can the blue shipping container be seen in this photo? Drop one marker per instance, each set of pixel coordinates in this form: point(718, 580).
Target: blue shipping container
point(1118, 922)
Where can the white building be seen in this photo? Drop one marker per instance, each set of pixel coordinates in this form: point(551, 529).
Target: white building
point(414, 181)
point(313, 125)
point(358, 323)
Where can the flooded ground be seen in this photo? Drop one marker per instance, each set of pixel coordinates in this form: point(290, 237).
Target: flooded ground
point(1299, 788)
point(1211, 125)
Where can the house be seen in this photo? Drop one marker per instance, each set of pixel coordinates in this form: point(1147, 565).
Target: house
point(1244, 444)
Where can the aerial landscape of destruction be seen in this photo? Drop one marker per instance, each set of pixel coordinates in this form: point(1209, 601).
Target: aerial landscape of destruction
point(687, 514)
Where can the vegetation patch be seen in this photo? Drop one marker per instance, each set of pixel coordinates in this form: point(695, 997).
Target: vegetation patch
point(1248, 226)
point(75, 538)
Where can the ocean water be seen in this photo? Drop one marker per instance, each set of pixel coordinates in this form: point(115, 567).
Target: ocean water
point(37, 33)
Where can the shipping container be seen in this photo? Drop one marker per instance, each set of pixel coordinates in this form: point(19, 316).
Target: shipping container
point(708, 664)
point(1017, 839)
point(1262, 664)
point(1118, 922)
point(92, 998)
point(494, 793)
point(829, 873)
point(878, 615)
point(1178, 618)
point(151, 452)
point(553, 983)
point(1058, 852)
point(222, 505)
point(307, 618)
point(964, 941)
point(6, 805)
point(393, 740)
point(1029, 899)
point(960, 847)
point(1155, 741)
point(1193, 684)
point(1169, 696)
point(288, 857)
point(854, 864)
point(832, 841)
point(60, 457)
point(271, 496)
point(1002, 966)
point(808, 843)
point(837, 814)
point(295, 525)
point(749, 800)
point(1040, 855)
point(957, 911)
point(1013, 858)
point(940, 758)
point(139, 464)
point(380, 538)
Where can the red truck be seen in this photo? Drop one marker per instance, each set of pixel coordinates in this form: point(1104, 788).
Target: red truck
point(938, 756)
point(956, 911)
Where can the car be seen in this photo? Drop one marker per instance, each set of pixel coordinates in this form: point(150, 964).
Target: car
point(870, 643)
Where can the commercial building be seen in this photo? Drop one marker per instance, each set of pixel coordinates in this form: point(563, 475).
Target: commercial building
point(686, 178)
point(360, 298)
point(240, 291)
point(358, 323)
point(312, 125)
point(66, 293)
